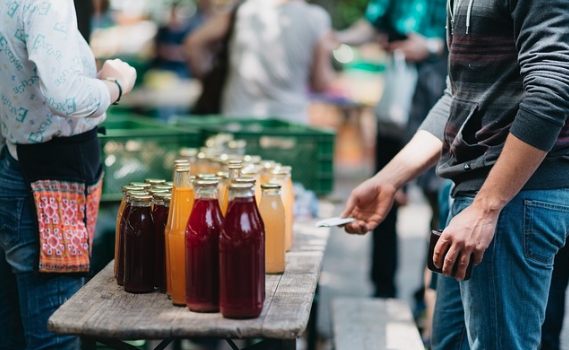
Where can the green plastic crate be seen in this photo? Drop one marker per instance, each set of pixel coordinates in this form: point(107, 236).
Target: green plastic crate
point(309, 150)
point(136, 148)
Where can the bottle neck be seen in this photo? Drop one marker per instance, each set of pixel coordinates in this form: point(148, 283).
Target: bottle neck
point(271, 192)
point(206, 192)
point(241, 193)
point(182, 180)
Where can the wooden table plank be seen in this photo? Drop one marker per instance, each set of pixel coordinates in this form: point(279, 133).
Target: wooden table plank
point(103, 309)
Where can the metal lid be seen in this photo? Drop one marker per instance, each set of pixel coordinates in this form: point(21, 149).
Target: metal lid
point(269, 186)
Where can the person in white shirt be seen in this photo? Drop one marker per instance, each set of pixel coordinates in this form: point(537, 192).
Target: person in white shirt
point(279, 51)
point(52, 100)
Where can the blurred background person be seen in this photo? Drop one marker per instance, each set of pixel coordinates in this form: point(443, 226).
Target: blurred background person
point(417, 29)
point(183, 18)
point(277, 51)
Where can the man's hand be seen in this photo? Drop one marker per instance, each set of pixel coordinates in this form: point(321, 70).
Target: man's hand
point(369, 204)
point(468, 234)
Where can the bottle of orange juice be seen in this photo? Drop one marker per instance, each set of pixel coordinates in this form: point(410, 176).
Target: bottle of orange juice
point(273, 215)
point(180, 208)
point(282, 177)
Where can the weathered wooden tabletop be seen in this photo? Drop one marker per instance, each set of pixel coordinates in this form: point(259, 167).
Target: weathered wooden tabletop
point(102, 309)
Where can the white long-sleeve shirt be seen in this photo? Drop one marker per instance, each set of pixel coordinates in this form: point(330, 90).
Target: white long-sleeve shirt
point(48, 84)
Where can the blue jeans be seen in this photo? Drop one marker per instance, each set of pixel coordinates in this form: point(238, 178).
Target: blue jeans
point(27, 298)
point(503, 304)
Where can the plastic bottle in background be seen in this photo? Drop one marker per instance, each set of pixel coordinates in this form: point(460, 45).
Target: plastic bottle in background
point(202, 249)
point(242, 256)
point(139, 251)
point(272, 212)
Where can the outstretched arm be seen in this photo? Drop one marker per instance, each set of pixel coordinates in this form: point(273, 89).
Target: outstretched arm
point(370, 202)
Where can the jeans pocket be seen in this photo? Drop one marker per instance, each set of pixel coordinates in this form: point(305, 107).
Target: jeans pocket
point(545, 228)
point(10, 216)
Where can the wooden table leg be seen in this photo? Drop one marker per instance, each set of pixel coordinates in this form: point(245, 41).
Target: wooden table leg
point(88, 343)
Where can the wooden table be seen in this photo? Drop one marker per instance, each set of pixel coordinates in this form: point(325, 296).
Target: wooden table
point(103, 312)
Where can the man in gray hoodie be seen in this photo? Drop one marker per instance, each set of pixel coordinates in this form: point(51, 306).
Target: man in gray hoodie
point(500, 133)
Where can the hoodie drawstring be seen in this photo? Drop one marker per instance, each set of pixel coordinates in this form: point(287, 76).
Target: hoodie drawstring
point(468, 12)
point(452, 13)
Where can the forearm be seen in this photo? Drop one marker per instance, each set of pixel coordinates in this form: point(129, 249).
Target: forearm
point(421, 153)
point(359, 33)
point(514, 167)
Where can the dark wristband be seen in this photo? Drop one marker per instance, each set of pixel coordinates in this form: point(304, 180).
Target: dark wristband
point(120, 89)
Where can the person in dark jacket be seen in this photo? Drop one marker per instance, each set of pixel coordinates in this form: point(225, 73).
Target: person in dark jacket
point(500, 134)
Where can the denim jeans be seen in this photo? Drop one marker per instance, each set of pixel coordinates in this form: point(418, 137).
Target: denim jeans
point(503, 304)
point(555, 312)
point(27, 298)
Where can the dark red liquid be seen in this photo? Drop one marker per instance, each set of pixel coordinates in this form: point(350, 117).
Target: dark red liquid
point(139, 251)
point(202, 255)
point(160, 217)
point(242, 261)
point(120, 253)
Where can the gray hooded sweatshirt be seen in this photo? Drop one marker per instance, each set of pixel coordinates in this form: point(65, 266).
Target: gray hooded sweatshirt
point(508, 73)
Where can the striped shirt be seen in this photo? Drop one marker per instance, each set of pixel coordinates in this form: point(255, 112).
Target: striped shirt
point(508, 73)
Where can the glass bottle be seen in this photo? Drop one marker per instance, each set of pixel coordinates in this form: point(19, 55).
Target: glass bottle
point(281, 176)
point(139, 251)
point(222, 185)
point(160, 208)
point(155, 182)
point(177, 162)
point(202, 249)
point(143, 185)
point(242, 256)
point(273, 215)
point(124, 217)
point(267, 168)
point(253, 172)
point(234, 173)
point(120, 212)
point(180, 208)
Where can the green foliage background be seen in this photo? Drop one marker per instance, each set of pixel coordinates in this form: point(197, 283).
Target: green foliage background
point(343, 12)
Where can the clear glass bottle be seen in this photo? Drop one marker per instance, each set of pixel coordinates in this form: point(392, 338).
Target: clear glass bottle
point(202, 249)
point(160, 209)
point(139, 246)
point(155, 182)
point(273, 215)
point(180, 208)
point(120, 212)
point(282, 176)
point(122, 226)
point(234, 173)
point(242, 256)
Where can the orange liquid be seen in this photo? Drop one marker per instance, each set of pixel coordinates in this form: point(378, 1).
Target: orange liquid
point(224, 200)
point(167, 245)
point(184, 201)
point(117, 231)
point(273, 215)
